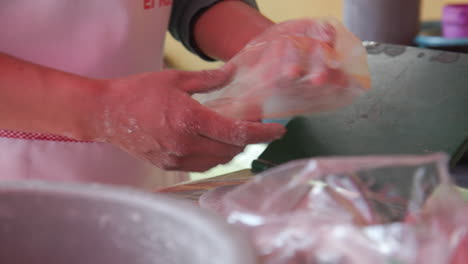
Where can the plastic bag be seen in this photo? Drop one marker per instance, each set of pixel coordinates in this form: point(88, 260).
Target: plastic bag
point(352, 210)
point(296, 67)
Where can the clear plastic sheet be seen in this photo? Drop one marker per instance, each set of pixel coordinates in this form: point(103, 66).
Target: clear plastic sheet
point(390, 209)
point(296, 67)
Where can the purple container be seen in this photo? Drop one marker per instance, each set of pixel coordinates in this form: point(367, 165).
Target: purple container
point(455, 21)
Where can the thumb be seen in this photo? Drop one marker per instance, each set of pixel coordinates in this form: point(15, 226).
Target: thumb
point(206, 81)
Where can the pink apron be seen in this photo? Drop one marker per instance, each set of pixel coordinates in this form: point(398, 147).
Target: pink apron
point(98, 39)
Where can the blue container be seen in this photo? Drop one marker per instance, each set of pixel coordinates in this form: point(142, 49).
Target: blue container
point(431, 37)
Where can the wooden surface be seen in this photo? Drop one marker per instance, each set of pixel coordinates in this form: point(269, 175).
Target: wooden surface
point(193, 189)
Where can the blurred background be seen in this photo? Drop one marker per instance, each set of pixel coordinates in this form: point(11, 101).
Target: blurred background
point(280, 10)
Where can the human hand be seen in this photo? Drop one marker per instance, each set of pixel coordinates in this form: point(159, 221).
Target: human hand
point(296, 67)
point(153, 117)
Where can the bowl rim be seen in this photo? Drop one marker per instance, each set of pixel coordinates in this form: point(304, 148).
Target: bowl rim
point(237, 247)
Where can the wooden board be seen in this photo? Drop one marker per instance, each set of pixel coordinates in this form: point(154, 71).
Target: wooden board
point(194, 189)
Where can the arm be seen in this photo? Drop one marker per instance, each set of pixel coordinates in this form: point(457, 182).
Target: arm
point(150, 115)
point(40, 99)
point(224, 29)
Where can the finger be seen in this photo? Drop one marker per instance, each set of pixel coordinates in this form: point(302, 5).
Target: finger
point(208, 147)
point(234, 132)
point(330, 77)
point(247, 108)
point(202, 163)
point(205, 81)
point(328, 32)
point(295, 63)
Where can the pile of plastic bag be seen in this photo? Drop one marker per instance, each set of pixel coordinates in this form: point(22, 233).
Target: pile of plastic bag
point(395, 210)
point(296, 67)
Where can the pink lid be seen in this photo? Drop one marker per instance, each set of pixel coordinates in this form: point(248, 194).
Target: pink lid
point(455, 21)
point(455, 13)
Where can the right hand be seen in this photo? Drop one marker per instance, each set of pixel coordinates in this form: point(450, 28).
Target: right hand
point(293, 68)
point(153, 117)
point(303, 46)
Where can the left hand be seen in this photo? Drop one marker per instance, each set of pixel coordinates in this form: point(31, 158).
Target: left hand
point(153, 117)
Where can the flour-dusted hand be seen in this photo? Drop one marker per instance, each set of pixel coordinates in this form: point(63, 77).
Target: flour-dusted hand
point(296, 67)
point(153, 117)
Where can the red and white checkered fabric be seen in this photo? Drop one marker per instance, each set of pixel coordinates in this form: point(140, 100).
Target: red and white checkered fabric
point(35, 136)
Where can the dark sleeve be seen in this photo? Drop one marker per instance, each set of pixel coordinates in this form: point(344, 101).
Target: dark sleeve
point(183, 17)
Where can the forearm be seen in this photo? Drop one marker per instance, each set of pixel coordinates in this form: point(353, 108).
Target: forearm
point(227, 27)
point(39, 99)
